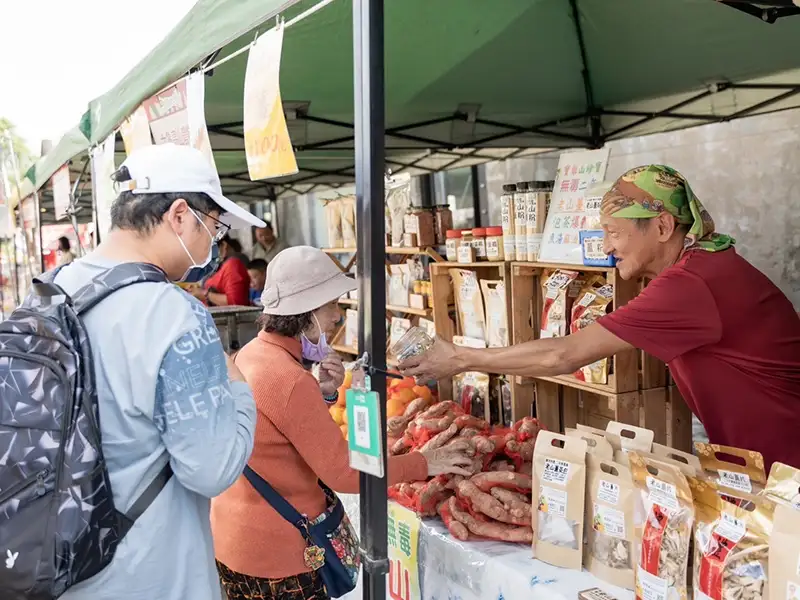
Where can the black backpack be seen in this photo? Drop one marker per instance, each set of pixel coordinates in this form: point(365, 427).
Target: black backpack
point(58, 523)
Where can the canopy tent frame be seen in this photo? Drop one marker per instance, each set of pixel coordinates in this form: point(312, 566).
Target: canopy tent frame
point(768, 11)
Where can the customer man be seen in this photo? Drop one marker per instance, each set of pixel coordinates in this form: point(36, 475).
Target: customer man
point(729, 335)
point(267, 245)
point(166, 390)
point(257, 269)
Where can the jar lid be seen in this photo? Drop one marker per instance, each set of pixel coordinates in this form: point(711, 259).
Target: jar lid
point(494, 231)
point(509, 187)
point(479, 231)
point(452, 234)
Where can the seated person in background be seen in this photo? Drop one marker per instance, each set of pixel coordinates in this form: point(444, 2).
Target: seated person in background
point(257, 269)
point(230, 285)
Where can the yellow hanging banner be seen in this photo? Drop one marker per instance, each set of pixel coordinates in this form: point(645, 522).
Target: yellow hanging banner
point(266, 138)
point(403, 542)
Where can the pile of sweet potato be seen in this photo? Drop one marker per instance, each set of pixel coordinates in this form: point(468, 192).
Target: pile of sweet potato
point(495, 505)
point(506, 451)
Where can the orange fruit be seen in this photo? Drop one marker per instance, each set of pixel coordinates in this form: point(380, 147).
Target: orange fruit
point(404, 396)
point(423, 391)
point(344, 430)
point(342, 399)
point(348, 380)
point(338, 414)
point(394, 407)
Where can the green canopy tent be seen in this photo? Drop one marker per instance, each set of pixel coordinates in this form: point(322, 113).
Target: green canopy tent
point(465, 84)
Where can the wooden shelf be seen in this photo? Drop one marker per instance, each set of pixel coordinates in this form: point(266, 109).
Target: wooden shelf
point(564, 266)
point(406, 310)
point(348, 302)
point(345, 349)
point(473, 265)
point(338, 250)
point(603, 389)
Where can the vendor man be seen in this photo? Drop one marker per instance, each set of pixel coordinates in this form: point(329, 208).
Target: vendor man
point(731, 338)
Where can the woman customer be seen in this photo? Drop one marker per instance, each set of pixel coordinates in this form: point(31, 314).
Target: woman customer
point(230, 285)
point(259, 553)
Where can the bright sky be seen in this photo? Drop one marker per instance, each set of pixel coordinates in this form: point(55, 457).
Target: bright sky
point(56, 55)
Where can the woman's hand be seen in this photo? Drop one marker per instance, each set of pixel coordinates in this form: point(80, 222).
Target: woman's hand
point(331, 374)
point(449, 460)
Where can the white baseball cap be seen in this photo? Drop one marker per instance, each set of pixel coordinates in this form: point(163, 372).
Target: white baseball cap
point(172, 169)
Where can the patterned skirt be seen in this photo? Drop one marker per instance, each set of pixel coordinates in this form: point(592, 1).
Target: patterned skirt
point(306, 586)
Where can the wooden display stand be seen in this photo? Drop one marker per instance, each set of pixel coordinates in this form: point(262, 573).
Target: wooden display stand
point(638, 391)
point(391, 310)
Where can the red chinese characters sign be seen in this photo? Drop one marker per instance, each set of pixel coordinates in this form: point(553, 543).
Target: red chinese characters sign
point(168, 115)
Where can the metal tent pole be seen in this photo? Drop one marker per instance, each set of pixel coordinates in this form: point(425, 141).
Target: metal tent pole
point(369, 153)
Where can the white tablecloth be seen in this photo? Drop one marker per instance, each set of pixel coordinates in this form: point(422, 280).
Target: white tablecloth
point(450, 569)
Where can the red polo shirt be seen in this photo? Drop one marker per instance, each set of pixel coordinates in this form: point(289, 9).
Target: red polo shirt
point(731, 339)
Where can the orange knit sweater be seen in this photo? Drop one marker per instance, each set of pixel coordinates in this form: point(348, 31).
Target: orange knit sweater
point(296, 443)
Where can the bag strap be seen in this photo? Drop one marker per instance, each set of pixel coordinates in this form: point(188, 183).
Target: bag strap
point(276, 501)
point(99, 288)
point(150, 493)
point(112, 280)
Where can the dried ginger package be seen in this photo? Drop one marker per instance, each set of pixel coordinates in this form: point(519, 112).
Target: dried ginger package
point(559, 488)
point(737, 472)
point(663, 518)
point(610, 539)
point(593, 301)
point(783, 487)
point(557, 301)
point(730, 545)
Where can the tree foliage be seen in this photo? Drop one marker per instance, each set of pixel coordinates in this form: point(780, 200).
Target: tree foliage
point(25, 157)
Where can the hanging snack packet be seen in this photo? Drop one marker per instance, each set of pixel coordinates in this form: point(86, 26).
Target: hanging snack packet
point(469, 303)
point(349, 221)
point(663, 518)
point(398, 199)
point(737, 472)
point(783, 487)
point(593, 302)
point(333, 218)
point(559, 487)
point(609, 517)
point(730, 545)
point(500, 402)
point(494, 298)
point(471, 391)
point(557, 303)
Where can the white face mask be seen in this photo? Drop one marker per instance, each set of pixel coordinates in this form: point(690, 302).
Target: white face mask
point(199, 271)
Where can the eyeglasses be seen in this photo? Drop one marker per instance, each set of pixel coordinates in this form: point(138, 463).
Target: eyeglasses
point(222, 228)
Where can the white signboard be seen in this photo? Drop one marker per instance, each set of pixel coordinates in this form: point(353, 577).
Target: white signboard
point(61, 192)
point(569, 213)
point(102, 169)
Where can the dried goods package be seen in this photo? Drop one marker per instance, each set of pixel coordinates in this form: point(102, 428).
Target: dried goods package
point(333, 217)
point(398, 201)
point(501, 392)
point(592, 303)
point(471, 392)
point(663, 518)
point(508, 217)
point(632, 439)
point(783, 487)
point(398, 329)
point(610, 500)
point(558, 293)
point(469, 303)
point(494, 298)
point(688, 463)
point(351, 328)
point(559, 491)
point(731, 549)
point(737, 472)
point(348, 221)
point(597, 446)
point(399, 285)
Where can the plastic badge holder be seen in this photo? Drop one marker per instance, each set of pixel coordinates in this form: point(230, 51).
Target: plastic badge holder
point(414, 343)
point(592, 249)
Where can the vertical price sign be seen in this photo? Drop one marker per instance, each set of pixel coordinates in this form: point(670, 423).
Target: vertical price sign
point(403, 537)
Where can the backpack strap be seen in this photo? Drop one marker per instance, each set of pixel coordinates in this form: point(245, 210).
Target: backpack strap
point(112, 280)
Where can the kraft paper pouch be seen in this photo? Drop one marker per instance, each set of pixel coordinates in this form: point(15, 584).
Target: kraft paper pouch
point(610, 501)
point(559, 494)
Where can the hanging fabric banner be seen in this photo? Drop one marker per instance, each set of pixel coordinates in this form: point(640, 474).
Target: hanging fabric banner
point(135, 131)
point(103, 168)
point(61, 192)
point(266, 137)
point(168, 115)
point(196, 99)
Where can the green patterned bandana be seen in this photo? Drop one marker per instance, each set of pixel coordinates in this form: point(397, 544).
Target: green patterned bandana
point(646, 192)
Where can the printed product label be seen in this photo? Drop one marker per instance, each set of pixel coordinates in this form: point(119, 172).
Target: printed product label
point(662, 493)
point(736, 481)
point(555, 471)
point(650, 587)
point(608, 492)
point(609, 521)
point(792, 590)
point(553, 502)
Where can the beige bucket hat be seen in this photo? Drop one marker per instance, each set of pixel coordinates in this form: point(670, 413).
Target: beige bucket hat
point(301, 279)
